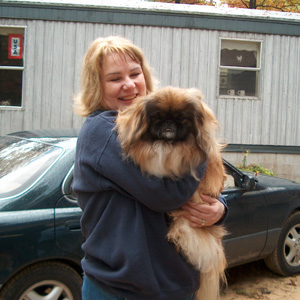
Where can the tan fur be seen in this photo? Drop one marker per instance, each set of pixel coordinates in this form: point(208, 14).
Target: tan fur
point(201, 246)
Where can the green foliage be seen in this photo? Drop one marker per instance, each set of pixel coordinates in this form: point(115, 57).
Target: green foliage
point(253, 168)
point(257, 169)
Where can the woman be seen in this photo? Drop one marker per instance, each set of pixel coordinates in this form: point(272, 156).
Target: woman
point(127, 255)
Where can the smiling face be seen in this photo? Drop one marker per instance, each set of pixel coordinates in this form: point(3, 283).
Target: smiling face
point(123, 81)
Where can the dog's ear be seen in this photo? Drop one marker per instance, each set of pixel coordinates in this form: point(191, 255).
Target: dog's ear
point(206, 123)
point(195, 96)
point(195, 93)
point(131, 124)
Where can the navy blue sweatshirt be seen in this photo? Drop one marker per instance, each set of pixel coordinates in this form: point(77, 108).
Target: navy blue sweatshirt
point(124, 219)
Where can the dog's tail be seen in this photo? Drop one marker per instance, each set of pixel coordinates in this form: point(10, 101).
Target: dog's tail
point(204, 250)
point(212, 279)
point(212, 274)
point(210, 285)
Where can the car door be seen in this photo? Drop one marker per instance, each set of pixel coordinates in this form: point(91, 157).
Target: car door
point(67, 220)
point(246, 223)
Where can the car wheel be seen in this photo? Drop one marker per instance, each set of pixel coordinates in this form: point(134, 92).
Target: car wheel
point(51, 280)
point(285, 259)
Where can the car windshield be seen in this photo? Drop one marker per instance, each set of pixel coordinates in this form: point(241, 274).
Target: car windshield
point(22, 162)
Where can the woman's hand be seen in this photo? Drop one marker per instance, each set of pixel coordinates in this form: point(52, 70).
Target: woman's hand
point(204, 214)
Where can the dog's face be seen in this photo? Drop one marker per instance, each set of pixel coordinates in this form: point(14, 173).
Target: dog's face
point(172, 115)
point(169, 123)
point(168, 132)
point(167, 116)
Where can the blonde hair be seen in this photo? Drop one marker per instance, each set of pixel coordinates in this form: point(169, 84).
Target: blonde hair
point(90, 97)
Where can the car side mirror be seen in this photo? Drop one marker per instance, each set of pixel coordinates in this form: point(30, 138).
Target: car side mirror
point(248, 182)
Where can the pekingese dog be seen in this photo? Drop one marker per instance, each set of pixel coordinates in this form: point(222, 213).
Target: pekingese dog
point(168, 133)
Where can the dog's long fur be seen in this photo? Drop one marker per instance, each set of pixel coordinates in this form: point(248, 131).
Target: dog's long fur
point(201, 246)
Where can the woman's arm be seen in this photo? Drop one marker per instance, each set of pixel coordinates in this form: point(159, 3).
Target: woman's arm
point(160, 194)
point(99, 156)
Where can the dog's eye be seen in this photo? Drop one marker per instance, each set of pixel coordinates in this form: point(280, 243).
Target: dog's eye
point(157, 115)
point(153, 116)
point(178, 116)
point(181, 118)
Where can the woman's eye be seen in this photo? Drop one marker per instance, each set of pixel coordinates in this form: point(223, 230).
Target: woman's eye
point(135, 74)
point(115, 79)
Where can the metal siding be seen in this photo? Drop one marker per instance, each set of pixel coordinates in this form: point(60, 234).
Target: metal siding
point(274, 90)
point(285, 99)
point(79, 47)
point(266, 90)
point(48, 83)
point(296, 140)
point(273, 119)
point(180, 57)
point(37, 53)
point(31, 72)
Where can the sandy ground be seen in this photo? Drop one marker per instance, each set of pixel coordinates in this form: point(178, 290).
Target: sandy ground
point(255, 281)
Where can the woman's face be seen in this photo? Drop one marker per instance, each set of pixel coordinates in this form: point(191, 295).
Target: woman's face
point(123, 81)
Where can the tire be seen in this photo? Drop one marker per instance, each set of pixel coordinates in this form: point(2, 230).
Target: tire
point(44, 279)
point(285, 259)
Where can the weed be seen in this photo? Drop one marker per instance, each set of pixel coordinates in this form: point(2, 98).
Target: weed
point(253, 168)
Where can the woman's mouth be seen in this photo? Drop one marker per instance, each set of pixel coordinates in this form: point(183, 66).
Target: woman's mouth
point(128, 98)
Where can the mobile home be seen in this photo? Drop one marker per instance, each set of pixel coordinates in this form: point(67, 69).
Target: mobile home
point(246, 62)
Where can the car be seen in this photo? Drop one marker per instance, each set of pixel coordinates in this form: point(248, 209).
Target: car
point(40, 235)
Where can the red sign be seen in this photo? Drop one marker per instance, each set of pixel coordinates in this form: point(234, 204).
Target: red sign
point(15, 46)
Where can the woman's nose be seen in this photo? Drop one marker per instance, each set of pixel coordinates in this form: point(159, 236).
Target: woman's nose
point(129, 83)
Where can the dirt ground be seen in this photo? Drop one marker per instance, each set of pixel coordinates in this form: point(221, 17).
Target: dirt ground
point(255, 281)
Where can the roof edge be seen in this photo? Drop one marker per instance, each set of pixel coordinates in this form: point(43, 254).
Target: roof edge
point(129, 15)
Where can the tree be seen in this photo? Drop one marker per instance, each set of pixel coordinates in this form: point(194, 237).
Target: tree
point(279, 5)
point(198, 2)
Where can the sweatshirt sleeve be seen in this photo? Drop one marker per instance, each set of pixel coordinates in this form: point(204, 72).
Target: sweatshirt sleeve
point(159, 194)
point(224, 202)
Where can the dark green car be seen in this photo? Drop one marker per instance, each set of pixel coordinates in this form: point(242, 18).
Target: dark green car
point(40, 236)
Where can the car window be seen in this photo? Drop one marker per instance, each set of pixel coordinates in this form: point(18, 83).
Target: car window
point(22, 163)
point(229, 182)
point(67, 186)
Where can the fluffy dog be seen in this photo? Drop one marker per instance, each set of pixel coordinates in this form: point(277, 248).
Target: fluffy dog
point(168, 133)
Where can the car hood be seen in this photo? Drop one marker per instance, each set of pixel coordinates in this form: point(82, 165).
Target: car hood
point(272, 181)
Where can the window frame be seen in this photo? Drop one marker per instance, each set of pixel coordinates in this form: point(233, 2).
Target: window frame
point(257, 69)
point(16, 68)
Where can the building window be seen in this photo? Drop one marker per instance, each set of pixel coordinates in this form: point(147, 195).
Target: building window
point(11, 66)
point(240, 62)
